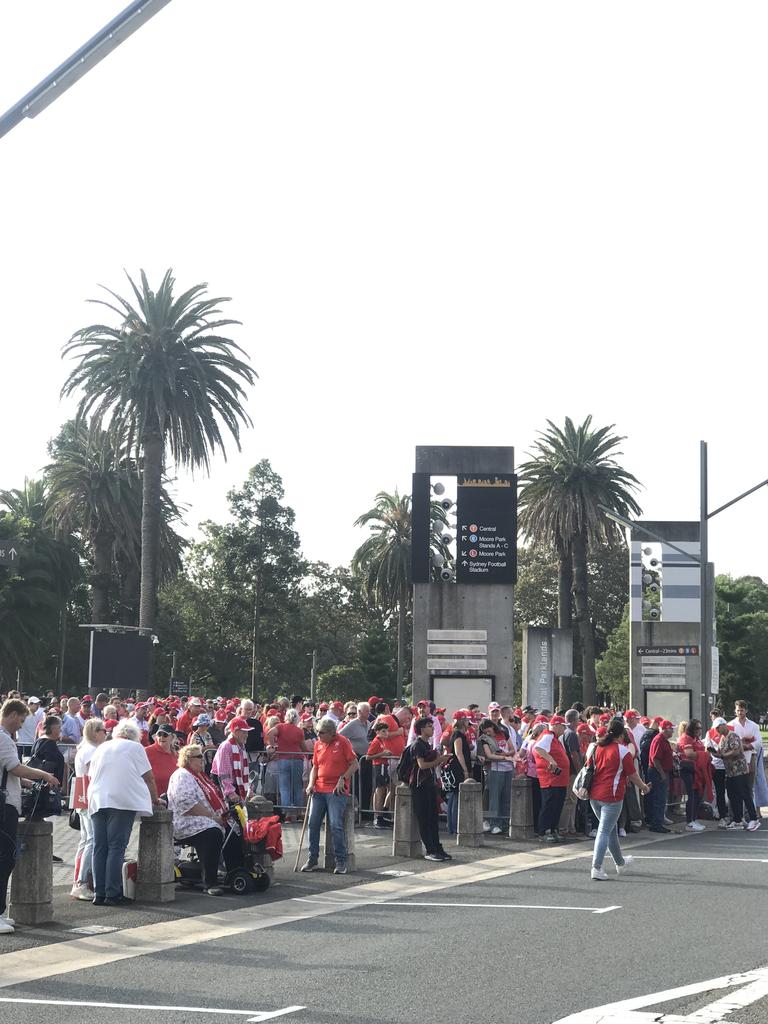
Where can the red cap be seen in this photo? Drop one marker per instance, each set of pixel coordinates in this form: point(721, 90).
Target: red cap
point(605, 718)
point(423, 704)
point(658, 720)
point(239, 723)
point(459, 714)
point(645, 720)
point(86, 696)
point(557, 720)
point(601, 731)
point(666, 724)
point(583, 728)
point(337, 704)
point(631, 713)
point(373, 701)
point(539, 718)
point(220, 716)
point(322, 707)
point(110, 723)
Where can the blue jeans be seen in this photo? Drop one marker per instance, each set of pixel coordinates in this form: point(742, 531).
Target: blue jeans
point(111, 833)
point(607, 838)
point(499, 793)
point(452, 800)
point(334, 805)
point(289, 779)
point(657, 799)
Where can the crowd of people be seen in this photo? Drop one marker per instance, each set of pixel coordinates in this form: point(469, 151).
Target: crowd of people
point(119, 758)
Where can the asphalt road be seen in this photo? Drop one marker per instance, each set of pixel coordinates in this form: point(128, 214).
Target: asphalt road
point(692, 910)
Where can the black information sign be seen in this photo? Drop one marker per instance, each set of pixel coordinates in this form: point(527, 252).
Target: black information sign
point(683, 651)
point(486, 532)
point(180, 688)
point(9, 553)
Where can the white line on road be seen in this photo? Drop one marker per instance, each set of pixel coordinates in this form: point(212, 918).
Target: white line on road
point(736, 860)
point(253, 1015)
point(481, 906)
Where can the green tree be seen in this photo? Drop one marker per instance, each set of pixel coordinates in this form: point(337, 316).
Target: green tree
point(383, 561)
point(741, 609)
point(570, 473)
point(376, 664)
point(613, 667)
point(164, 379)
point(344, 682)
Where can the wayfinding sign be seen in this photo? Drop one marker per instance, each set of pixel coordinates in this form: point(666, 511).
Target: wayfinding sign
point(180, 688)
point(9, 553)
point(486, 531)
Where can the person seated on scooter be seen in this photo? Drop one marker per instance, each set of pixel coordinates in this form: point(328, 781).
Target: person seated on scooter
point(199, 817)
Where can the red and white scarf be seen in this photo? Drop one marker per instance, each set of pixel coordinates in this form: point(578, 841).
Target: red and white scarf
point(240, 777)
point(211, 793)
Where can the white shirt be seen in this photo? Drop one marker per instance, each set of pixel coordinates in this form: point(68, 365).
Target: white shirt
point(28, 732)
point(83, 757)
point(436, 734)
point(748, 729)
point(183, 793)
point(116, 773)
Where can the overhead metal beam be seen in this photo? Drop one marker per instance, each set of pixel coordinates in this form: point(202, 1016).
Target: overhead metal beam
point(81, 62)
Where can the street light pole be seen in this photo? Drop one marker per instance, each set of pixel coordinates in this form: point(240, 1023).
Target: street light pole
point(705, 632)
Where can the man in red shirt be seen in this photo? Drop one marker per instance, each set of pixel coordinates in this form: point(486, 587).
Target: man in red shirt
point(162, 758)
point(660, 764)
point(553, 764)
point(333, 765)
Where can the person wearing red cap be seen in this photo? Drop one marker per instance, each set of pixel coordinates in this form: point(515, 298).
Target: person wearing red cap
point(230, 765)
point(660, 765)
point(553, 767)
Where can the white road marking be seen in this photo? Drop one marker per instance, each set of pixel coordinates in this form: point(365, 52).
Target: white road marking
point(751, 986)
point(481, 906)
point(252, 1015)
point(19, 967)
point(682, 856)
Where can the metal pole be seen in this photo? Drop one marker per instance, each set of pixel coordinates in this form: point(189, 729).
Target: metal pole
point(706, 614)
point(313, 677)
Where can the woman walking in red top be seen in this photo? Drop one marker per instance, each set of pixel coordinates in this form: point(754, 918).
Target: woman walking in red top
point(614, 764)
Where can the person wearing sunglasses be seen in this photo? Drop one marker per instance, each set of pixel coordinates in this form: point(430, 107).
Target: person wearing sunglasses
point(94, 735)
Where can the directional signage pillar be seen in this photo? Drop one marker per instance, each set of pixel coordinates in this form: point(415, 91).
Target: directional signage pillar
point(486, 550)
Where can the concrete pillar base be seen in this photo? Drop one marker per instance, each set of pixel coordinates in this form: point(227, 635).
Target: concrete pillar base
point(470, 822)
point(32, 879)
point(521, 824)
point(406, 841)
point(155, 877)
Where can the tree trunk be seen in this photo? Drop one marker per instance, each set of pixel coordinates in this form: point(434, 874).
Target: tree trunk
point(151, 483)
point(101, 577)
point(583, 620)
point(564, 609)
point(402, 611)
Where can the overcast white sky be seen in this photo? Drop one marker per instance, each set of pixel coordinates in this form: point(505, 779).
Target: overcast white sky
point(440, 223)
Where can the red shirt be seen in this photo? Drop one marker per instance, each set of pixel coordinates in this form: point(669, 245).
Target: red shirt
point(163, 766)
point(613, 765)
point(376, 747)
point(557, 751)
point(331, 761)
point(661, 751)
point(290, 741)
point(395, 743)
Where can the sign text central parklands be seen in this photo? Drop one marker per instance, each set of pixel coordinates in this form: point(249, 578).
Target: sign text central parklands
point(486, 540)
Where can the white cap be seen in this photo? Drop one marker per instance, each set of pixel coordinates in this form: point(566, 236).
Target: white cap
point(33, 700)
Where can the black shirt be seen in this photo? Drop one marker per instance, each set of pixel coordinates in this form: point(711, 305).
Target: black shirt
point(466, 752)
point(572, 746)
point(255, 740)
point(50, 757)
point(422, 776)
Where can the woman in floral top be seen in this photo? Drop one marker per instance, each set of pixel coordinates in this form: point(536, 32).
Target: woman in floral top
point(736, 777)
point(198, 810)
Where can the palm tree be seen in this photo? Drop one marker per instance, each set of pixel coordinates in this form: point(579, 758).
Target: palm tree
point(31, 501)
point(570, 473)
point(383, 560)
point(162, 378)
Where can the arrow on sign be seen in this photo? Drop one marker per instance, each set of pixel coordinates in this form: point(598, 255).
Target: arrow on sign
point(465, 562)
point(9, 556)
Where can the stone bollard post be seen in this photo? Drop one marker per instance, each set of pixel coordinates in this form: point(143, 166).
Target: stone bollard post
point(259, 807)
point(521, 823)
point(155, 877)
point(32, 879)
point(470, 822)
point(329, 858)
point(406, 841)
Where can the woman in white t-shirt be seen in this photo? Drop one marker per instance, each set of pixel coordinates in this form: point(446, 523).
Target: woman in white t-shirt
point(94, 735)
point(121, 786)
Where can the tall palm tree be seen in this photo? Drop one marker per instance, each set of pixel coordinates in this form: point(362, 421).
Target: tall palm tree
point(32, 501)
point(570, 472)
point(164, 379)
point(383, 561)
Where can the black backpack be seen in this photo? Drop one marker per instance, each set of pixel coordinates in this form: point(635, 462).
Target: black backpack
point(405, 765)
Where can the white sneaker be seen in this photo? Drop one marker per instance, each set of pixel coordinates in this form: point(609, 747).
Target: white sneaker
point(593, 834)
point(668, 821)
point(80, 892)
point(694, 826)
point(495, 831)
point(599, 875)
point(734, 825)
point(626, 866)
point(699, 826)
point(486, 827)
point(622, 833)
point(6, 926)
point(722, 823)
point(753, 826)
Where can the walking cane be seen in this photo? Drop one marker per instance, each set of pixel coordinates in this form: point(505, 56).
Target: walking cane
point(303, 831)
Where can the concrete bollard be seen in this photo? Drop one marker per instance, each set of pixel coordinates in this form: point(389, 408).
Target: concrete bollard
point(155, 876)
point(32, 879)
point(329, 858)
point(406, 841)
point(521, 824)
point(470, 822)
